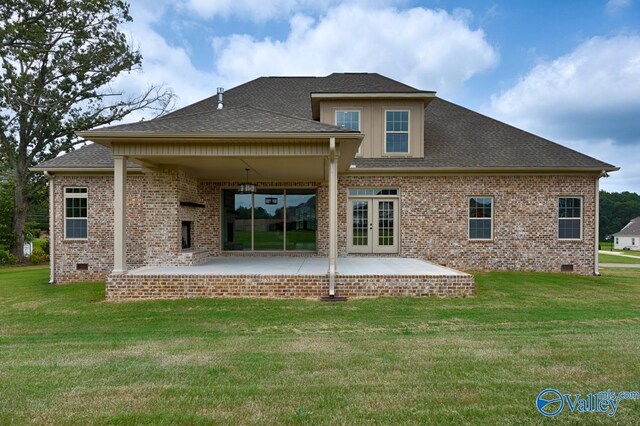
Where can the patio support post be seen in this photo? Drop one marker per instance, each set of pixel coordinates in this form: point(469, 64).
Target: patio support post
point(120, 214)
point(333, 215)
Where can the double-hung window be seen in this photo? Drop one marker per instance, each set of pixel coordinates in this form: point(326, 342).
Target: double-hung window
point(75, 213)
point(349, 120)
point(569, 218)
point(480, 218)
point(396, 132)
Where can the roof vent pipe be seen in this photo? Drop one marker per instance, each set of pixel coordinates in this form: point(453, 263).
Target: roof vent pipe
point(220, 97)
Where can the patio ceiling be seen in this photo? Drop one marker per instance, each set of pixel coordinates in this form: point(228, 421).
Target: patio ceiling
point(233, 169)
point(305, 157)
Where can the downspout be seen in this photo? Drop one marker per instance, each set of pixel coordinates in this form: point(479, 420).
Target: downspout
point(52, 230)
point(596, 271)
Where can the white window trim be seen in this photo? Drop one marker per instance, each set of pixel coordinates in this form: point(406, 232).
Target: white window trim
point(64, 206)
point(408, 132)
point(569, 218)
point(359, 123)
point(469, 218)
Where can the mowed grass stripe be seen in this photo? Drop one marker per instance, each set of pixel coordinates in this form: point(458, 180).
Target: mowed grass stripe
point(69, 357)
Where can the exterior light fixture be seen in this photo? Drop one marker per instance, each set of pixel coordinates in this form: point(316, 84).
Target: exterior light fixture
point(247, 188)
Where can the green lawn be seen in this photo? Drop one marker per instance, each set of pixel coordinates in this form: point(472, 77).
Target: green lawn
point(68, 357)
point(612, 258)
point(606, 245)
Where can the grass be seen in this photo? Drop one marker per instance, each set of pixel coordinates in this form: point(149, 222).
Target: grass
point(68, 357)
point(612, 258)
point(606, 245)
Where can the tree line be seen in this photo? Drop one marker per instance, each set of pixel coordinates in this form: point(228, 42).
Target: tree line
point(616, 210)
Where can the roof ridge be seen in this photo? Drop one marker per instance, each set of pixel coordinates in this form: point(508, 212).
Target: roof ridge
point(524, 131)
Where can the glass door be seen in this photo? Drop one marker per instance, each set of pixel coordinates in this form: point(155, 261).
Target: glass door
point(373, 225)
point(360, 226)
point(385, 230)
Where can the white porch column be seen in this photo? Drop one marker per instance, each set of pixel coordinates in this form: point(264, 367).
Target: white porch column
point(333, 215)
point(120, 214)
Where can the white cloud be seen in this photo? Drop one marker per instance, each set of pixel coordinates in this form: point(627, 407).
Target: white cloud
point(613, 7)
point(588, 99)
point(592, 92)
point(623, 156)
point(163, 63)
point(427, 48)
point(433, 50)
point(263, 10)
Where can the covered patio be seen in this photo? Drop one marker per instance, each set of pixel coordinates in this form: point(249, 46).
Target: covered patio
point(284, 277)
point(283, 265)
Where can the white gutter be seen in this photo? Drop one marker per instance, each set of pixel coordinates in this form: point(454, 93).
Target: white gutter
point(374, 95)
point(84, 170)
point(52, 228)
point(469, 170)
point(171, 137)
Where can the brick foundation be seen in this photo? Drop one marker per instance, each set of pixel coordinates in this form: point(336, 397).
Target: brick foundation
point(126, 287)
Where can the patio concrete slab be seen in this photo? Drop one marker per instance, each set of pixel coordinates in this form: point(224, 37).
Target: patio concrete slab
point(283, 265)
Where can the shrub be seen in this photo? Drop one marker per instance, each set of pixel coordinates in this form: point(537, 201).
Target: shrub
point(38, 256)
point(44, 244)
point(7, 258)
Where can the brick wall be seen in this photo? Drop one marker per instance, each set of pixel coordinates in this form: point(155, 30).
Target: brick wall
point(97, 250)
point(161, 208)
point(433, 215)
point(434, 222)
point(124, 287)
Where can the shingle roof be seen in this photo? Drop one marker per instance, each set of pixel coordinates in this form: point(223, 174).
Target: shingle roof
point(632, 229)
point(230, 119)
point(292, 95)
point(91, 156)
point(455, 137)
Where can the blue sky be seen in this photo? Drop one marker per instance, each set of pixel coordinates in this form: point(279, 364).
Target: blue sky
point(565, 70)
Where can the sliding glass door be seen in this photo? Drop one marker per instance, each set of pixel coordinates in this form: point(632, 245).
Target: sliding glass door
point(269, 220)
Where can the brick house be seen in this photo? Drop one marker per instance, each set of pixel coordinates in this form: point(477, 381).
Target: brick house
point(335, 168)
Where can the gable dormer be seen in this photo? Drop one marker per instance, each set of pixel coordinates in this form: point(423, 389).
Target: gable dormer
point(392, 122)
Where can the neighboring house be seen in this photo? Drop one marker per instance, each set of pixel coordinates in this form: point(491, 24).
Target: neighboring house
point(628, 238)
point(350, 164)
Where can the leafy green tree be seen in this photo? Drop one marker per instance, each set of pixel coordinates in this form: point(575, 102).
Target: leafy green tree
point(616, 210)
point(7, 238)
point(57, 60)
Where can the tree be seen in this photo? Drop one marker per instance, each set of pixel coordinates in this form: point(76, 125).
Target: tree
point(616, 210)
point(58, 59)
point(7, 238)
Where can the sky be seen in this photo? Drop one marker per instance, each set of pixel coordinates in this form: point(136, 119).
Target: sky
point(566, 70)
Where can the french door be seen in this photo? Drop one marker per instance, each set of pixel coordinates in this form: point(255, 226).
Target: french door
point(373, 225)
